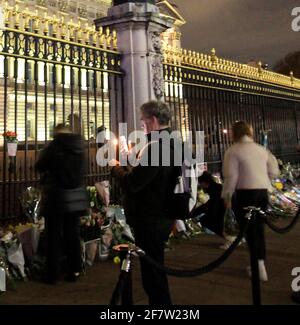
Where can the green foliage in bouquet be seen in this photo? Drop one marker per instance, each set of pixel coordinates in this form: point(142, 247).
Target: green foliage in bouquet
point(95, 200)
point(118, 238)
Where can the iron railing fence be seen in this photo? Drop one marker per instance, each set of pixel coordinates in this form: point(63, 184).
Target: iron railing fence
point(209, 101)
point(45, 81)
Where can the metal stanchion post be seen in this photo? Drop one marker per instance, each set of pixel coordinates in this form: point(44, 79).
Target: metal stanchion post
point(126, 295)
point(256, 296)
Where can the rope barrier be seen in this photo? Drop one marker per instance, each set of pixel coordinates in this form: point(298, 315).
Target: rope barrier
point(285, 229)
point(202, 270)
point(124, 282)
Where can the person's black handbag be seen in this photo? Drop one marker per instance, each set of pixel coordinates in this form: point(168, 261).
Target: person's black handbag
point(74, 200)
point(184, 197)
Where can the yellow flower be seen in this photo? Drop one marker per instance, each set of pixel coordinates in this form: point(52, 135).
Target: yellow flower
point(117, 260)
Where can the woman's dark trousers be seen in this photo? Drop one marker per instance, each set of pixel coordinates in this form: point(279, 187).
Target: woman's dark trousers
point(257, 198)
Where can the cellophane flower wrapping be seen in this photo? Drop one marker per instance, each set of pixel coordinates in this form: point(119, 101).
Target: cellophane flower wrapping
point(231, 226)
point(2, 277)
point(30, 201)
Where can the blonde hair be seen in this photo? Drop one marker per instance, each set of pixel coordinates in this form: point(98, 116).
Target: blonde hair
point(240, 129)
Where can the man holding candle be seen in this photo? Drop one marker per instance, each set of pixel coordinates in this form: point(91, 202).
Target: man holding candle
point(148, 189)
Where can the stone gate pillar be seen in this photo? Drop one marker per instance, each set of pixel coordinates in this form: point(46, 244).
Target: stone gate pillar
point(138, 25)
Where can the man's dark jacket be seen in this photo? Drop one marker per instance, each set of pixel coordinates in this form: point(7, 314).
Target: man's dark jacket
point(62, 167)
point(148, 189)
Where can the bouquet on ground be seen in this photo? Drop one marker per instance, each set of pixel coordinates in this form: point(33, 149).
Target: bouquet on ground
point(280, 205)
point(91, 225)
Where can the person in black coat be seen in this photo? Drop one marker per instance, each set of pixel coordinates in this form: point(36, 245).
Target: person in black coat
point(212, 212)
point(147, 191)
point(64, 199)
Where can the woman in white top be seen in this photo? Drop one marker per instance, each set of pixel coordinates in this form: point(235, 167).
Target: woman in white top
point(247, 169)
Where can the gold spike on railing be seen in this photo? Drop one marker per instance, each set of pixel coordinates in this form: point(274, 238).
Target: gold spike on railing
point(292, 77)
point(36, 22)
point(45, 25)
point(55, 22)
point(108, 38)
point(114, 40)
point(21, 19)
point(79, 33)
point(213, 57)
point(86, 34)
point(70, 30)
point(26, 18)
point(16, 14)
point(260, 70)
point(63, 29)
point(7, 16)
point(189, 57)
point(101, 37)
point(95, 36)
point(185, 57)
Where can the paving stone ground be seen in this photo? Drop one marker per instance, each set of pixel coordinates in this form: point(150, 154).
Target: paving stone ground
point(227, 285)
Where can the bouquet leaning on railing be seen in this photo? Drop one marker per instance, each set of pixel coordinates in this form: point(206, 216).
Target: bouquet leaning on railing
point(10, 136)
point(11, 141)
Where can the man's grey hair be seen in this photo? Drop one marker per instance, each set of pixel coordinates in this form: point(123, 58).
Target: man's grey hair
point(158, 109)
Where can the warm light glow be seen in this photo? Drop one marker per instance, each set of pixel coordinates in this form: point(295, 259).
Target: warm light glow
point(115, 142)
point(105, 81)
point(83, 79)
point(67, 76)
point(41, 74)
point(225, 131)
point(173, 90)
point(107, 134)
point(21, 70)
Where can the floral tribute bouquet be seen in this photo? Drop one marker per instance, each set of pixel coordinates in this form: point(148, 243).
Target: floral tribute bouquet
point(11, 254)
point(11, 140)
point(282, 203)
point(10, 136)
point(92, 224)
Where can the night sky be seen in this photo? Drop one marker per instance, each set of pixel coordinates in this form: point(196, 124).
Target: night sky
point(240, 30)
